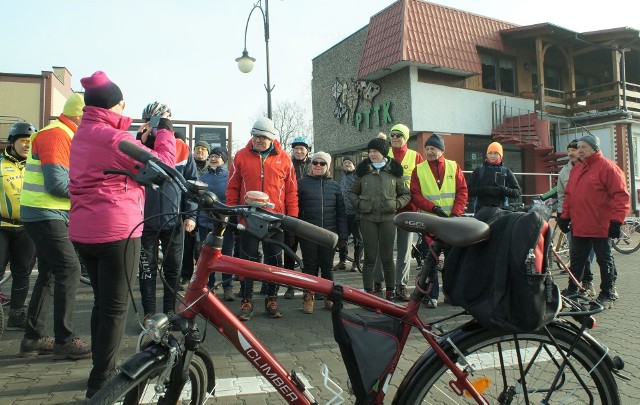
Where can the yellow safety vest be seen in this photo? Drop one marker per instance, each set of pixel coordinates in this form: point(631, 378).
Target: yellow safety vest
point(408, 164)
point(33, 192)
point(444, 196)
point(11, 173)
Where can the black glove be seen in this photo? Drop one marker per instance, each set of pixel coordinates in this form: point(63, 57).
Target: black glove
point(503, 190)
point(439, 212)
point(614, 230)
point(564, 224)
point(165, 123)
point(341, 243)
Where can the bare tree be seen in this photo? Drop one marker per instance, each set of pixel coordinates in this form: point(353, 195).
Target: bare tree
point(291, 120)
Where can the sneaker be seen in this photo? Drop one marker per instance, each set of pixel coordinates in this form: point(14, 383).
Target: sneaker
point(184, 283)
point(4, 299)
point(17, 319)
point(328, 304)
point(402, 294)
point(377, 289)
point(589, 290)
point(341, 266)
point(307, 303)
point(290, 293)
point(229, 295)
point(74, 349)
point(272, 307)
point(36, 347)
point(355, 267)
point(432, 303)
point(390, 296)
point(606, 302)
point(614, 294)
point(246, 310)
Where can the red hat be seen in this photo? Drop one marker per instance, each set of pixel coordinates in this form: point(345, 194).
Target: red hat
point(100, 91)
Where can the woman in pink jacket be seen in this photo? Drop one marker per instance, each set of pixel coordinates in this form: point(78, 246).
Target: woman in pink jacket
point(105, 213)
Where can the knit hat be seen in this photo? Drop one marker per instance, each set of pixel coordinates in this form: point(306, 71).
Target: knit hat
point(349, 158)
point(573, 144)
point(220, 151)
point(436, 141)
point(323, 156)
point(100, 91)
point(204, 144)
point(74, 105)
point(403, 129)
point(495, 147)
point(379, 144)
point(593, 141)
point(264, 127)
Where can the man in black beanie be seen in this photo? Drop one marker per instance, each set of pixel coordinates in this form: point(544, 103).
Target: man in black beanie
point(595, 219)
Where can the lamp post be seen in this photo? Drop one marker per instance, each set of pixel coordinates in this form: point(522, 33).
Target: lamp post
point(245, 62)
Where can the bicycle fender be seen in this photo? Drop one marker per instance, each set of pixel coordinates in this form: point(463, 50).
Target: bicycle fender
point(151, 356)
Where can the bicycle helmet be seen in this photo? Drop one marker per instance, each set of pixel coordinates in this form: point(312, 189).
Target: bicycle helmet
point(21, 130)
point(155, 109)
point(300, 141)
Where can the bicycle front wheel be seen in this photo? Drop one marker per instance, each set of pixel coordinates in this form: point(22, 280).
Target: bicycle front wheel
point(522, 369)
point(122, 390)
point(629, 242)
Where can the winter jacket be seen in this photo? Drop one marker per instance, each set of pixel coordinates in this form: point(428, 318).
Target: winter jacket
point(11, 175)
point(106, 208)
point(346, 182)
point(438, 168)
point(378, 194)
point(273, 175)
point(217, 180)
point(596, 194)
point(321, 203)
point(563, 178)
point(160, 205)
point(302, 167)
point(493, 187)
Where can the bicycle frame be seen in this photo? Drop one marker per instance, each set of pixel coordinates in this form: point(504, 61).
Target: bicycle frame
point(199, 300)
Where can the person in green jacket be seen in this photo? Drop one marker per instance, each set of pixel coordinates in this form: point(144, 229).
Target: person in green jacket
point(377, 193)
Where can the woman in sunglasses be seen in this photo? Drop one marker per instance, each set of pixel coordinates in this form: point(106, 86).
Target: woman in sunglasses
point(320, 203)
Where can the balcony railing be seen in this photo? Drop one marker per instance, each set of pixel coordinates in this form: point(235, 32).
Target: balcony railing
point(596, 99)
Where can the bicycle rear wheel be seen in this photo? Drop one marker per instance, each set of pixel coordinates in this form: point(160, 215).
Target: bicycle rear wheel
point(496, 356)
point(121, 389)
point(629, 242)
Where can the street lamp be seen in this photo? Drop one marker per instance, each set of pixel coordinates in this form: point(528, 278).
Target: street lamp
point(245, 62)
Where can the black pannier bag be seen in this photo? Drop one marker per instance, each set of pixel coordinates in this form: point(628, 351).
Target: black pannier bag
point(499, 281)
point(369, 343)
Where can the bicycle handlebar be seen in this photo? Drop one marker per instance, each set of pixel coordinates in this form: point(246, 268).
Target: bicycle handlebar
point(155, 171)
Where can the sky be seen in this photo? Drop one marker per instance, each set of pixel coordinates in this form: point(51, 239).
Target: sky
point(183, 52)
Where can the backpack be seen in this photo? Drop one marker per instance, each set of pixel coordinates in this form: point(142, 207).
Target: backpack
point(503, 173)
point(504, 282)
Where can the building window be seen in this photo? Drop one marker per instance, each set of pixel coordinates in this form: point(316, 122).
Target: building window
point(498, 73)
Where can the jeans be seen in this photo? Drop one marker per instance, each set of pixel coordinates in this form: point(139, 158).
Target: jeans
point(378, 240)
point(588, 274)
point(316, 258)
point(291, 241)
point(227, 250)
point(56, 259)
point(17, 250)
point(272, 255)
point(404, 240)
point(171, 240)
point(353, 227)
point(580, 250)
point(111, 267)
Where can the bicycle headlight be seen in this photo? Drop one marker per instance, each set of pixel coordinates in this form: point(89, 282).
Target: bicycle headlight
point(157, 326)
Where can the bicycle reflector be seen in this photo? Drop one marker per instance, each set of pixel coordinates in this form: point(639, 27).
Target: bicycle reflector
point(157, 326)
point(481, 385)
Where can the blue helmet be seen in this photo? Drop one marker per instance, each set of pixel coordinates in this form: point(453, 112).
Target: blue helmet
point(300, 141)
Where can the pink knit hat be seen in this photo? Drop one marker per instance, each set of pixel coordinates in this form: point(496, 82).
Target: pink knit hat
point(100, 91)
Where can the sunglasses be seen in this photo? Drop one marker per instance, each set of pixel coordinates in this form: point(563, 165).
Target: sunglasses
point(318, 163)
point(24, 142)
point(200, 149)
point(396, 135)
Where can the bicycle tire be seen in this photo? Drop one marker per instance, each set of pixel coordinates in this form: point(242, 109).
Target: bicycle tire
point(121, 389)
point(630, 240)
point(483, 348)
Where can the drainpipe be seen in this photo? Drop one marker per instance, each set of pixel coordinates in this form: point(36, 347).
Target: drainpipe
point(632, 171)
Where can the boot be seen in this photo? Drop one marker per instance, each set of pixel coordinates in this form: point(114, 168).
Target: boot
point(328, 304)
point(307, 303)
point(390, 296)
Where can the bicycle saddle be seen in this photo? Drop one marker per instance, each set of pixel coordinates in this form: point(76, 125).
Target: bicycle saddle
point(456, 231)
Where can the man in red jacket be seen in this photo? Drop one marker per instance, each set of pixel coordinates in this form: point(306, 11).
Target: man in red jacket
point(595, 204)
point(263, 165)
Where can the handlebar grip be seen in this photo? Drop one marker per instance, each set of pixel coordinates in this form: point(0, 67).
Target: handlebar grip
point(135, 152)
point(309, 232)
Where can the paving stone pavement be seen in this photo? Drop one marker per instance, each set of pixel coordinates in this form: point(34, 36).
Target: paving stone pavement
point(301, 342)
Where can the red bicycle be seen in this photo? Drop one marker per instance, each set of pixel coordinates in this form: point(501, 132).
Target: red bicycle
point(560, 363)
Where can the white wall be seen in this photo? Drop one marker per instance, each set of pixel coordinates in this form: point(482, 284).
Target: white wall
point(453, 110)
